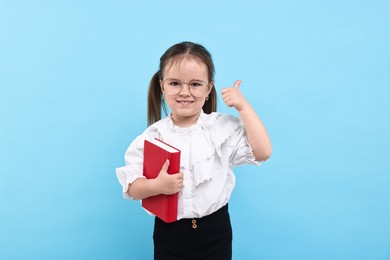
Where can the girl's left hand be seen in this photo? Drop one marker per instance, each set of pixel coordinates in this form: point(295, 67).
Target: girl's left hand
point(233, 97)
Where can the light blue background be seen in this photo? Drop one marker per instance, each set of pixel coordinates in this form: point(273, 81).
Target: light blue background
point(74, 76)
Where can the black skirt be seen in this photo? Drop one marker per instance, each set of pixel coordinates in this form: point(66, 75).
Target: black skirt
point(209, 237)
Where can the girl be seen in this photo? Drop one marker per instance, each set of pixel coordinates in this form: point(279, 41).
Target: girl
point(211, 145)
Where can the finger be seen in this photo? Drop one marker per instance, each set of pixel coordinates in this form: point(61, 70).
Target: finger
point(237, 84)
point(225, 90)
point(225, 97)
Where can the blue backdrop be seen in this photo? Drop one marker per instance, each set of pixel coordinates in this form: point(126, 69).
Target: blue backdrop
point(74, 76)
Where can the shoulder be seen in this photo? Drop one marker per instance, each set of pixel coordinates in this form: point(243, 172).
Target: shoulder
point(216, 119)
point(155, 130)
point(222, 127)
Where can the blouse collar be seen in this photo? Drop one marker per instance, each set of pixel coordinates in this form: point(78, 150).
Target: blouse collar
point(198, 125)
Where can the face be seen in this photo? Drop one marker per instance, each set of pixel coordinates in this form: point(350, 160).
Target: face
point(184, 106)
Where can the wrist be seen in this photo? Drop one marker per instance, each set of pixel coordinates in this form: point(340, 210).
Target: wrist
point(244, 107)
point(154, 187)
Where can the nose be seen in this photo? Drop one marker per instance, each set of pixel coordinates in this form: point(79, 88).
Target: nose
point(185, 89)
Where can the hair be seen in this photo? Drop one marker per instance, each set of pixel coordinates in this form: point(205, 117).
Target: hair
point(156, 103)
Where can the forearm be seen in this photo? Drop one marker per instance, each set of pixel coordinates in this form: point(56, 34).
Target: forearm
point(143, 188)
point(256, 133)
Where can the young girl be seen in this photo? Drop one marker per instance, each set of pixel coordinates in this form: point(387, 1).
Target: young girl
point(211, 145)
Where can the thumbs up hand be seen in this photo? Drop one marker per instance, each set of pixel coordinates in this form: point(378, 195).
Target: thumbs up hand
point(233, 97)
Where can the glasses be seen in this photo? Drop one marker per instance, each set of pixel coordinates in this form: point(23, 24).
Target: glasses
point(197, 88)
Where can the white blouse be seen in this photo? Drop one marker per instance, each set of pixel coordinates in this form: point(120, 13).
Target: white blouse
point(209, 151)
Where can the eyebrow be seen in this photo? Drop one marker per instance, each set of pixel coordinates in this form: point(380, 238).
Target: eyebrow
point(186, 80)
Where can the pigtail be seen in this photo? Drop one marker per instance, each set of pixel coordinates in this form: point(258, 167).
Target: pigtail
point(155, 100)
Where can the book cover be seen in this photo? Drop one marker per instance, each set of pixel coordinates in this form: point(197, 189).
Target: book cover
point(156, 153)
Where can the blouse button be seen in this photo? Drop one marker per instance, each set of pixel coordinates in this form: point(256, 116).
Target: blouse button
point(194, 226)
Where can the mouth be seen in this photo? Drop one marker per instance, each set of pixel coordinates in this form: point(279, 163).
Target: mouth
point(185, 102)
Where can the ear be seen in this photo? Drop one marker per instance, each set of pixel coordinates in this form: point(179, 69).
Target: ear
point(211, 85)
point(162, 90)
point(161, 85)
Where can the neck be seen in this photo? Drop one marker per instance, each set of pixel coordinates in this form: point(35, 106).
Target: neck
point(185, 122)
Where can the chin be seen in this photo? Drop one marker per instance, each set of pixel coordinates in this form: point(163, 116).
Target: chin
point(183, 112)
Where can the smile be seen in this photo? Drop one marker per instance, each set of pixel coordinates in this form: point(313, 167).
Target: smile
point(185, 102)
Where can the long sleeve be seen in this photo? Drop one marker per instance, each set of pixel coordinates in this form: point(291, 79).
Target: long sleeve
point(133, 168)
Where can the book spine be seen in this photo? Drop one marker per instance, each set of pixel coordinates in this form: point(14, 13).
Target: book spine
point(174, 163)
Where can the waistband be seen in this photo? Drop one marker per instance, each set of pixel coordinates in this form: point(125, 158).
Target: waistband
point(221, 212)
point(217, 216)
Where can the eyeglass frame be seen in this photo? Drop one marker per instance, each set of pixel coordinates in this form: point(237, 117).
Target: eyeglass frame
point(185, 82)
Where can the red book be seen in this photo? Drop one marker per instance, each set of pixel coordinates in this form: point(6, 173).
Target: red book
point(156, 152)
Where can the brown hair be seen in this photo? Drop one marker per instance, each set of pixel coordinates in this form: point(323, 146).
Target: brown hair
point(155, 100)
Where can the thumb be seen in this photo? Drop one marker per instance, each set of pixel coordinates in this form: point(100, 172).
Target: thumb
point(165, 166)
point(237, 84)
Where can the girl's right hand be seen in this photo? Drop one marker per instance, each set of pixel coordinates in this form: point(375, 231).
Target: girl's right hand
point(168, 183)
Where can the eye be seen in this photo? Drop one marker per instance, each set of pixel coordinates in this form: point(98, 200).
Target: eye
point(174, 83)
point(197, 84)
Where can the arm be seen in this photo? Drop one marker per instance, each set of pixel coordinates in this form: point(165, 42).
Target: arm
point(164, 184)
point(256, 132)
